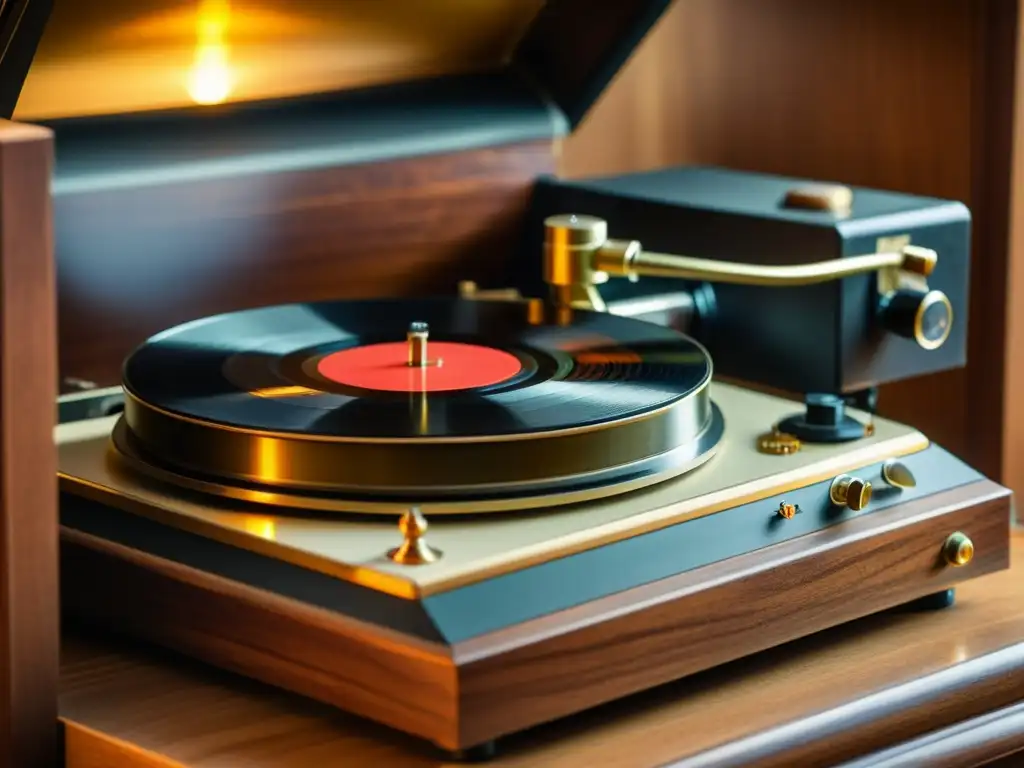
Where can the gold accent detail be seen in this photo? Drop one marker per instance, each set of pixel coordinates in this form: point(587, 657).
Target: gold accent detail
point(931, 299)
point(852, 492)
point(958, 549)
point(820, 197)
point(260, 525)
point(578, 256)
point(484, 547)
point(787, 510)
point(289, 462)
point(776, 443)
point(918, 260)
point(671, 465)
point(892, 243)
point(417, 338)
point(291, 391)
point(414, 550)
point(920, 263)
point(470, 290)
point(898, 475)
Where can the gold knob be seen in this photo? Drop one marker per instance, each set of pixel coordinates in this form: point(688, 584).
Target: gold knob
point(777, 443)
point(898, 475)
point(958, 549)
point(414, 550)
point(852, 492)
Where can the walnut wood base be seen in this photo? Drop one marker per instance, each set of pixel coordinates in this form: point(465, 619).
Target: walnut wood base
point(496, 684)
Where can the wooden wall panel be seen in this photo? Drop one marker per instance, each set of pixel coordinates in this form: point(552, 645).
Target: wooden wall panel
point(1013, 436)
point(128, 259)
point(911, 95)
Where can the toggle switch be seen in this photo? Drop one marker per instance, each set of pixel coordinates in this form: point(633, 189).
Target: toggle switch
point(898, 475)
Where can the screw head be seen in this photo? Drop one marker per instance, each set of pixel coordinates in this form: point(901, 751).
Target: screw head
point(959, 549)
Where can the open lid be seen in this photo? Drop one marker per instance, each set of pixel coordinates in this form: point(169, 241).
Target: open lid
point(139, 56)
point(21, 25)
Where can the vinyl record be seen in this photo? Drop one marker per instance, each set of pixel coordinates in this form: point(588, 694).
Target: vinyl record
point(322, 398)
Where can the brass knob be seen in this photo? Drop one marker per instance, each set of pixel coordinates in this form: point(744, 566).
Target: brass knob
point(414, 550)
point(777, 443)
point(898, 475)
point(958, 549)
point(852, 492)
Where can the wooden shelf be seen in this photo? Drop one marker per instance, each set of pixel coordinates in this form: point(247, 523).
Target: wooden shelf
point(846, 693)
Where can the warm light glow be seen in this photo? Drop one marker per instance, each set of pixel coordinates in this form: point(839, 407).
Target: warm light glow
point(294, 391)
point(268, 459)
point(960, 653)
point(210, 80)
point(263, 527)
point(111, 58)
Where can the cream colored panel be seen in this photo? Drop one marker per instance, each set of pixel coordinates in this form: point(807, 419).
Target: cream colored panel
point(475, 548)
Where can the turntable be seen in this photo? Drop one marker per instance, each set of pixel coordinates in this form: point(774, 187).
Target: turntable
point(466, 516)
point(465, 512)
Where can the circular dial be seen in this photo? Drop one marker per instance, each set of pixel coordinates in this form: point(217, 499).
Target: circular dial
point(926, 317)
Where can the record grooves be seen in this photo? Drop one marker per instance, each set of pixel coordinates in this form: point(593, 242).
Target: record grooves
point(315, 399)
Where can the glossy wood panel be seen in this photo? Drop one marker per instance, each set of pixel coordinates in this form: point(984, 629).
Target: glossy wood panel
point(556, 665)
point(300, 648)
point(634, 640)
point(979, 741)
point(842, 694)
point(145, 258)
point(1013, 435)
point(911, 95)
point(28, 460)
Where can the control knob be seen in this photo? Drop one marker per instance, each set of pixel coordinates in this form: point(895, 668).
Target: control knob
point(925, 317)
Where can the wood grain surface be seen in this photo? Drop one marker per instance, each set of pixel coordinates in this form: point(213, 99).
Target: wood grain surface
point(144, 259)
point(643, 637)
point(981, 740)
point(324, 655)
point(1013, 434)
point(556, 665)
point(28, 495)
point(842, 694)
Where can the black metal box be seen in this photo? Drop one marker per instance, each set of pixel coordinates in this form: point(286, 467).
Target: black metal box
point(826, 337)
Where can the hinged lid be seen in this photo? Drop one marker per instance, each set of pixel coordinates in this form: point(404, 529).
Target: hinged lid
point(112, 58)
point(21, 25)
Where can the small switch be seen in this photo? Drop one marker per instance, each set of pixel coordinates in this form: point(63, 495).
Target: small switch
point(898, 475)
point(787, 511)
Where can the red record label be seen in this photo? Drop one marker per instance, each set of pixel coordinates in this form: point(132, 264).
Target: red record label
point(451, 366)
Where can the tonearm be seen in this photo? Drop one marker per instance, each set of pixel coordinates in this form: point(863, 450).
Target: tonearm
point(579, 257)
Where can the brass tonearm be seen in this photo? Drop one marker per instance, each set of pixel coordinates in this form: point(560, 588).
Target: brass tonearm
point(578, 257)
